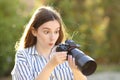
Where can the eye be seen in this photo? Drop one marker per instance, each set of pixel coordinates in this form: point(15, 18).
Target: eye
point(56, 32)
point(46, 32)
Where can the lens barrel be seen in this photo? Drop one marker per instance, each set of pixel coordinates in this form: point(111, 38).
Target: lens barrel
point(84, 62)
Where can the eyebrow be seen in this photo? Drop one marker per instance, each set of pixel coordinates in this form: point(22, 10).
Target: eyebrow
point(49, 28)
point(46, 28)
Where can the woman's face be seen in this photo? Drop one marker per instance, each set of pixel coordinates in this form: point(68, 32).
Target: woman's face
point(47, 34)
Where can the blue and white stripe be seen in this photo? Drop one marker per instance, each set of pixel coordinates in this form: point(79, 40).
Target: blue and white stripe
point(28, 65)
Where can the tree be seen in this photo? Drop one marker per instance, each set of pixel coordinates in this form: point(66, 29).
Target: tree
point(12, 20)
point(112, 10)
point(86, 23)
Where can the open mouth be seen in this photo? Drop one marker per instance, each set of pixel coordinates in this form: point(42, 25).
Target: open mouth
point(51, 44)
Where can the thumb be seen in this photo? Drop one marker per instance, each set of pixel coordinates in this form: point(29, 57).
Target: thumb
point(53, 51)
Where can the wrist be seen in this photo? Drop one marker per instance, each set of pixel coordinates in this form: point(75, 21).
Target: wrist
point(78, 75)
point(51, 65)
point(75, 70)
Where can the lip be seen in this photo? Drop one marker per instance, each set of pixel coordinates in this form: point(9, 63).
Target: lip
point(50, 44)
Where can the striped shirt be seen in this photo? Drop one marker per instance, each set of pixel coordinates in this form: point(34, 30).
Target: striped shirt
point(28, 65)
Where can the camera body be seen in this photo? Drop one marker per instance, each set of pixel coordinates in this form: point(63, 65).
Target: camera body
point(85, 63)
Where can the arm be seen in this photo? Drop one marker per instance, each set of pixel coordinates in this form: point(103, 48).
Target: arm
point(57, 58)
point(78, 75)
point(21, 70)
point(46, 72)
point(76, 72)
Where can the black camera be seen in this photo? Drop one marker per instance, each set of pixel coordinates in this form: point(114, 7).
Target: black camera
point(84, 62)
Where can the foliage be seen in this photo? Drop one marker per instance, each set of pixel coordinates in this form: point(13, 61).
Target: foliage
point(10, 31)
point(95, 24)
point(113, 32)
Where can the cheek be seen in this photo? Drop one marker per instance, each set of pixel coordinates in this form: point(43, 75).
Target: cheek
point(40, 36)
point(57, 36)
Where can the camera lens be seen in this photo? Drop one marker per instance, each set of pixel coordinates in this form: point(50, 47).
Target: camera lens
point(89, 68)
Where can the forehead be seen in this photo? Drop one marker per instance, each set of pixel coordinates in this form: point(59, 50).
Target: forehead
point(54, 24)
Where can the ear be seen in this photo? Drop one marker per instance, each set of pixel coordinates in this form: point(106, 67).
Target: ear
point(34, 32)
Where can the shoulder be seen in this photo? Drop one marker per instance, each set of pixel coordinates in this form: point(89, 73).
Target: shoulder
point(26, 51)
point(23, 54)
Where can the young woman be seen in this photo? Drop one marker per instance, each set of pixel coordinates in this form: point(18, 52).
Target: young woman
point(36, 57)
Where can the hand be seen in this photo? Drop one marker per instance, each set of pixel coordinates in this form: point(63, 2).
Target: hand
point(76, 72)
point(57, 57)
point(71, 62)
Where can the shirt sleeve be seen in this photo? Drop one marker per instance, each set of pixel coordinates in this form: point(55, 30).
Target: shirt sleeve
point(22, 70)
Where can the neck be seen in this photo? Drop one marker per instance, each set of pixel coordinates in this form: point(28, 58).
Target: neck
point(43, 51)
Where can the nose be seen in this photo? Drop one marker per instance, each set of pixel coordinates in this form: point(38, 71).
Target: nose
point(52, 37)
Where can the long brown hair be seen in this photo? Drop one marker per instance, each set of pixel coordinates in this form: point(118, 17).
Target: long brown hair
point(41, 15)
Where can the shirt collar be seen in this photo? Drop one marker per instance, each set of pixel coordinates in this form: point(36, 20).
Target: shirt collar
point(33, 50)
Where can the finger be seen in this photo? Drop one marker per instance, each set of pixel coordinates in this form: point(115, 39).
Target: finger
point(70, 59)
point(74, 62)
point(54, 49)
point(60, 54)
point(63, 55)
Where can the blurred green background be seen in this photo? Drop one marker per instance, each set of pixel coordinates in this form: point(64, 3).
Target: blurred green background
point(94, 24)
